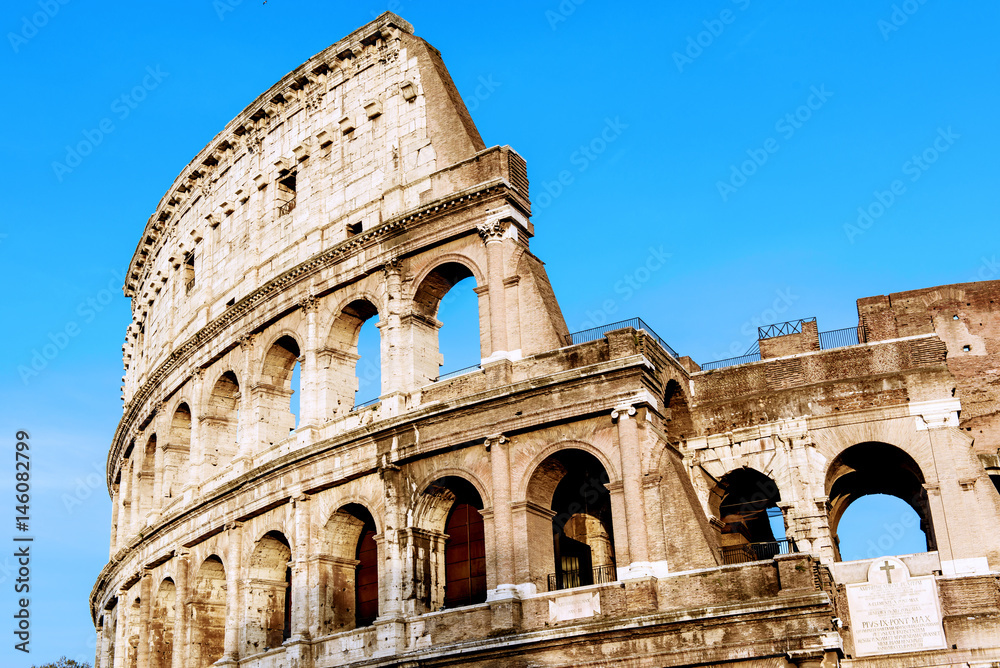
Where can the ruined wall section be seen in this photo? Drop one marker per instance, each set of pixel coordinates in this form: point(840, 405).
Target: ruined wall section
point(966, 318)
point(341, 144)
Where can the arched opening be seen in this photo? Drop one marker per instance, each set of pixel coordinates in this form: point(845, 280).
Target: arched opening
point(176, 453)
point(207, 620)
point(274, 392)
point(571, 520)
point(353, 359)
point(752, 526)
point(133, 623)
point(146, 479)
point(877, 469)
point(878, 525)
point(220, 427)
point(676, 413)
point(161, 626)
point(110, 634)
point(451, 569)
point(447, 301)
point(295, 405)
point(268, 609)
point(350, 573)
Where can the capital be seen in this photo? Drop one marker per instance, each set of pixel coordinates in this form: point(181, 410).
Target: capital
point(309, 304)
point(493, 230)
point(392, 266)
point(495, 439)
point(624, 411)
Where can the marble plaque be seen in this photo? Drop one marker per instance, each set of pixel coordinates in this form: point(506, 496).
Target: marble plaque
point(574, 606)
point(894, 612)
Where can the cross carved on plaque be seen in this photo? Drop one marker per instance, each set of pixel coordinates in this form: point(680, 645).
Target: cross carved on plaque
point(887, 567)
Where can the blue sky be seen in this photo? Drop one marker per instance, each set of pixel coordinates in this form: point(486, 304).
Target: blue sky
point(637, 122)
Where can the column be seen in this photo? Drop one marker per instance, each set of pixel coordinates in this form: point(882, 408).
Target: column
point(503, 519)
point(631, 459)
point(309, 386)
point(393, 375)
point(493, 233)
point(121, 645)
point(298, 650)
point(181, 598)
point(196, 453)
point(145, 594)
point(234, 608)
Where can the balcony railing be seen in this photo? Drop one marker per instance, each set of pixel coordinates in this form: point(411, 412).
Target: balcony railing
point(366, 404)
point(569, 579)
point(742, 554)
point(458, 372)
point(287, 207)
point(842, 338)
point(782, 328)
point(597, 333)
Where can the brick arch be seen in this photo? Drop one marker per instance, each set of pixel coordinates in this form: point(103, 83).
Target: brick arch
point(522, 489)
point(429, 508)
point(266, 350)
point(900, 433)
point(433, 281)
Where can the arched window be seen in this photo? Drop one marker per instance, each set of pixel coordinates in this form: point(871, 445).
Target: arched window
point(354, 367)
point(208, 614)
point(869, 469)
point(220, 428)
point(447, 301)
point(268, 611)
point(176, 454)
point(576, 537)
point(351, 575)
point(161, 626)
point(274, 392)
point(146, 480)
point(753, 529)
point(464, 555)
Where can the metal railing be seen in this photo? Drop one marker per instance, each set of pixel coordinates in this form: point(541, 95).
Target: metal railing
point(366, 404)
point(782, 328)
point(597, 333)
point(843, 338)
point(732, 361)
point(741, 554)
point(569, 579)
point(459, 372)
point(287, 207)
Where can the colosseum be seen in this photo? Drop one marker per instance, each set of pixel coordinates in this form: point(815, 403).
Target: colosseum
point(577, 499)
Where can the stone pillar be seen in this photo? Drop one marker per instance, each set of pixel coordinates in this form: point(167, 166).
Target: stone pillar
point(99, 652)
point(298, 650)
point(145, 594)
point(136, 511)
point(309, 415)
point(393, 373)
point(121, 640)
point(503, 521)
point(181, 598)
point(196, 452)
point(247, 415)
point(493, 233)
point(635, 520)
point(513, 302)
point(115, 503)
point(234, 608)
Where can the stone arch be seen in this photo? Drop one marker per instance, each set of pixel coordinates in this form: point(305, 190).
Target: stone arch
point(349, 570)
point(220, 424)
point(423, 510)
point(677, 412)
point(339, 380)
point(161, 625)
point(267, 611)
point(545, 453)
point(145, 481)
point(272, 395)
point(569, 521)
point(743, 502)
point(208, 613)
point(430, 287)
point(176, 453)
point(876, 468)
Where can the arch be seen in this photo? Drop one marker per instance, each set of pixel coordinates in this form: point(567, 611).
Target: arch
point(426, 508)
point(436, 282)
point(220, 430)
point(161, 625)
point(349, 573)
point(677, 412)
point(745, 501)
point(876, 468)
point(569, 520)
point(267, 613)
point(343, 377)
point(208, 613)
point(176, 452)
point(525, 489)
point(146, 478)
point(273, 393)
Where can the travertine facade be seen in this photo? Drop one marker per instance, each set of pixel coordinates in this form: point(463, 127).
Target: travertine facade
point(578, 500)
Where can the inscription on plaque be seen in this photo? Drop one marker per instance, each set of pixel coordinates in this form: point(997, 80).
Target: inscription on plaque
point(894, 612)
